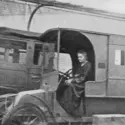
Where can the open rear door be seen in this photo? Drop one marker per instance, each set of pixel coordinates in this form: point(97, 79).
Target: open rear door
point(13, 65)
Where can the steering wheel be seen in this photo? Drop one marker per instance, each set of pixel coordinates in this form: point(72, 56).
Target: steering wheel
point(64, 76)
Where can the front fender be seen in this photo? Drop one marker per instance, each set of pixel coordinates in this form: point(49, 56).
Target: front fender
point(29, 97)
point(34, 97)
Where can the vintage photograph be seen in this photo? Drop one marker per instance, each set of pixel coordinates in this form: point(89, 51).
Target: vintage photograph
point(62, 62)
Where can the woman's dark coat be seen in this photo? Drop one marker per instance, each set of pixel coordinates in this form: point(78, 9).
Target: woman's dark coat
point(72, 97)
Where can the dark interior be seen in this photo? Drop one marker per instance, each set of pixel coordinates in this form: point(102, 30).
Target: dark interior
point(70, 42)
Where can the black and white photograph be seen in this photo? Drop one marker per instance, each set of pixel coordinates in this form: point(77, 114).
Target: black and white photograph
point(62, 62)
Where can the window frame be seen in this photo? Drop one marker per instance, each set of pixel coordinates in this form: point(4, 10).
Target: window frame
point(9, 44)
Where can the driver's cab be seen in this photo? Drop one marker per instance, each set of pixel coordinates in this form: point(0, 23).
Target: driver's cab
point(65, 60)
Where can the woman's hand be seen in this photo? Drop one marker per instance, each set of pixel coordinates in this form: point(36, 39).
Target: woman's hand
point(68, 82)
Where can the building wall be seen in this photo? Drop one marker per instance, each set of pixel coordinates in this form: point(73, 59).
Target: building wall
point(16, 15)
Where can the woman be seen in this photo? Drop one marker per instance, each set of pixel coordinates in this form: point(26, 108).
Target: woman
point(72, 94)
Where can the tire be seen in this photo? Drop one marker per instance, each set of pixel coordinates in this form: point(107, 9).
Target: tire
point(10, 117)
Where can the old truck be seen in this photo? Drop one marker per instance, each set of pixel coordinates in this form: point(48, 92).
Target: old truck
point(43, 61)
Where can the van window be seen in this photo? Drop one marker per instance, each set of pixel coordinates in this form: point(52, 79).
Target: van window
point(37, 59)
point(17, 56)
point(65, 62)
point(13, 52)
point(2, 53)
point(119, 57)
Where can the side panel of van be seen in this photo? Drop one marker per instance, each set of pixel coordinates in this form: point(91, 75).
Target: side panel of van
point(116, 86)
point(100, 43)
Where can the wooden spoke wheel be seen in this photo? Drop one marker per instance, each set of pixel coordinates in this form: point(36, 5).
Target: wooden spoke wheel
point(25, 115)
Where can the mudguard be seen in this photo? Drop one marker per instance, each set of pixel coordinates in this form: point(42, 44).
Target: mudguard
point(33, 97)
point(29, 97)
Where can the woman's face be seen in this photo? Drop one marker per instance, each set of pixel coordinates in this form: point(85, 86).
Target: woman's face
point(81, 57)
